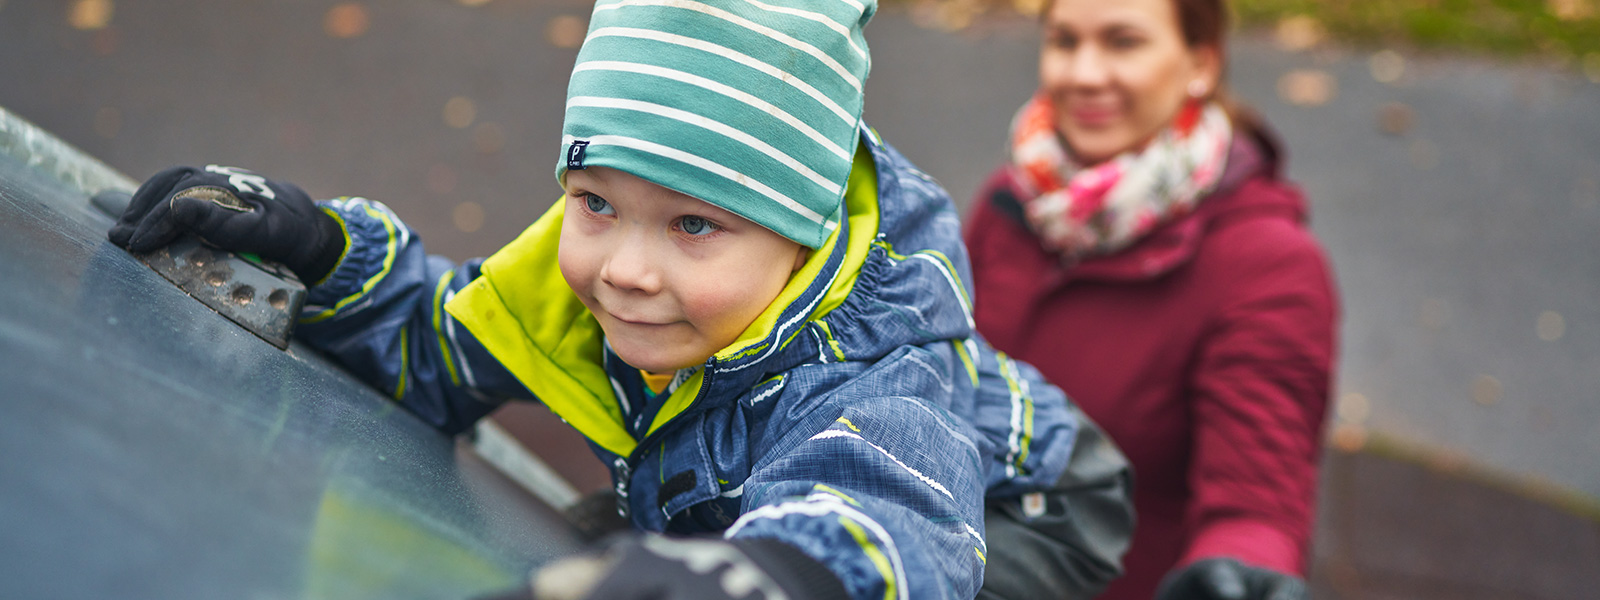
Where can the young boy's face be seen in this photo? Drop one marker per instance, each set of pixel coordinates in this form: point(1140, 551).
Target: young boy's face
point(671, 279)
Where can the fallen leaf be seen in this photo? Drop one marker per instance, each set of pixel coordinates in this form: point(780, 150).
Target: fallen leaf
point(1307, 87)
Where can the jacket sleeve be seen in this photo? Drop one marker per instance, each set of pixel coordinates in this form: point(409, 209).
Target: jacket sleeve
point(886, 490)
point(1260, 389)
point(381, 314)
point(1066, 541)
point(1059, 512)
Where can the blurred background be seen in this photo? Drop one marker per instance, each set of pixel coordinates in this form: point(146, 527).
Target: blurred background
point(1450, 150)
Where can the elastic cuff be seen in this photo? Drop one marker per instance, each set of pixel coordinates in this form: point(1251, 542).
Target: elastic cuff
point(368, 241)
point(334, 244)
point(802, 577)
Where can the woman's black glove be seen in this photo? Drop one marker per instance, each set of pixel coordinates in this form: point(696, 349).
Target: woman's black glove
point(654, 567)
point(236, 210)
point(1229, 579)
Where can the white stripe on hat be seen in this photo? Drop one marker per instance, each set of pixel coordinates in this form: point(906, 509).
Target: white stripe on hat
point(726, 90)
point(707, 123)
point(860, 8)
point(812, 16)
point(703, 163)
point(730, 54)
point(769, 32)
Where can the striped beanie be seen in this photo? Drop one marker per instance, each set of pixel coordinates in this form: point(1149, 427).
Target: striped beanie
point(751, 105)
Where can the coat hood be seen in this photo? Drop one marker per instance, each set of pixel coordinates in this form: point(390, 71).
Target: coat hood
point(524, 313)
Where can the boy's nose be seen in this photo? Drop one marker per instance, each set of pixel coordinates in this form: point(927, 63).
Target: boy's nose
point(630, 266)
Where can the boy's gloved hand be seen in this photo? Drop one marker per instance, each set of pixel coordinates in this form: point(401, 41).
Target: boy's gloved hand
point(654, 567)
point(1229, 579)
point(236, 210)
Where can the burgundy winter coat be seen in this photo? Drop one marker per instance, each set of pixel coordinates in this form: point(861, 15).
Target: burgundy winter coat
point(1204, 350)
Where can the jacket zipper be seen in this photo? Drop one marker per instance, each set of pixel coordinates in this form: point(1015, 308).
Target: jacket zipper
point(624, 466)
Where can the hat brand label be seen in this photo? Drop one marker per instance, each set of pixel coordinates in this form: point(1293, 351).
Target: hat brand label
point(575, 155)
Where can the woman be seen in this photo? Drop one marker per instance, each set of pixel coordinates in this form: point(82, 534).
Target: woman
point(1143, 251)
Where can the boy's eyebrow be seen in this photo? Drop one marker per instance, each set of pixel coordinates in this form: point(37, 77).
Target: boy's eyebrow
point(717, 211)
point(596, 176)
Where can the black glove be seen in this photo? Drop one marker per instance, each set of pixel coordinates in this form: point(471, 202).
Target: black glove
point(655, 567)
point(234, 210)
point(1229, 579)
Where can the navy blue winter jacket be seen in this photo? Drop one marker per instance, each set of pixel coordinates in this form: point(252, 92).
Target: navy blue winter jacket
point(860, 419)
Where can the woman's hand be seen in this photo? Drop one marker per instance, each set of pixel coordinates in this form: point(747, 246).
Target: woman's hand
point(1229, 579)
point(234, 210)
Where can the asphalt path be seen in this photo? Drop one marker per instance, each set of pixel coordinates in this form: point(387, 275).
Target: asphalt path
point(1458, 197)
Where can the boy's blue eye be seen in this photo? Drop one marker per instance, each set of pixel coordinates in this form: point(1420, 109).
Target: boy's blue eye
point(693, 225)
point(597, 205)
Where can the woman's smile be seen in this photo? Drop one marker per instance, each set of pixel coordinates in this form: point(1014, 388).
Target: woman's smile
point(1091, 116)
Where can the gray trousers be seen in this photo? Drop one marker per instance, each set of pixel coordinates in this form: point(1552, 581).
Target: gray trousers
point(1068, 544)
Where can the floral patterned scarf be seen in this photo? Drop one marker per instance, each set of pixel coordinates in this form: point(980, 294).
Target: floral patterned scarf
point(1080, 212)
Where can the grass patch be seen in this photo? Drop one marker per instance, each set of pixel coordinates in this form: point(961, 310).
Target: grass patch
point(1558, 29)
point(1566, 32)
point(1459, 467)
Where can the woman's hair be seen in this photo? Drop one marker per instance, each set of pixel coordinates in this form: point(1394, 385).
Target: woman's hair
point(1202, 22)
point(1205, 23)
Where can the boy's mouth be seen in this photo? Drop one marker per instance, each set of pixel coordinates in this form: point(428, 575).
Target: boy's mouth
point(639, 322)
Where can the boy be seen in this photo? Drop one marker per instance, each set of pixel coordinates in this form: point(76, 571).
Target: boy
point(754, 309)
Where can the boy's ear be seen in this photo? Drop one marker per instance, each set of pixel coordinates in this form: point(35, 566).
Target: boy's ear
point(800, 258)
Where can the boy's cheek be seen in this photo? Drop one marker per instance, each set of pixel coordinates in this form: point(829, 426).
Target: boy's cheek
point(574, 269)
point(724, 311)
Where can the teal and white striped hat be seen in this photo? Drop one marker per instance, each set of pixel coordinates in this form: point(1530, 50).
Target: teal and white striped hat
point(751, 105)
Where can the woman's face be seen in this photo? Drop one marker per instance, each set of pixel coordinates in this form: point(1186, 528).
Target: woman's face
point(1118, 71)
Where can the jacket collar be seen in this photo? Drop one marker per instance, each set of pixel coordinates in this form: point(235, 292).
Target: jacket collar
point(819, 286)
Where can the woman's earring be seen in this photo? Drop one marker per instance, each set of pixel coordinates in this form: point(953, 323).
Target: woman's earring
point(1197, 89)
